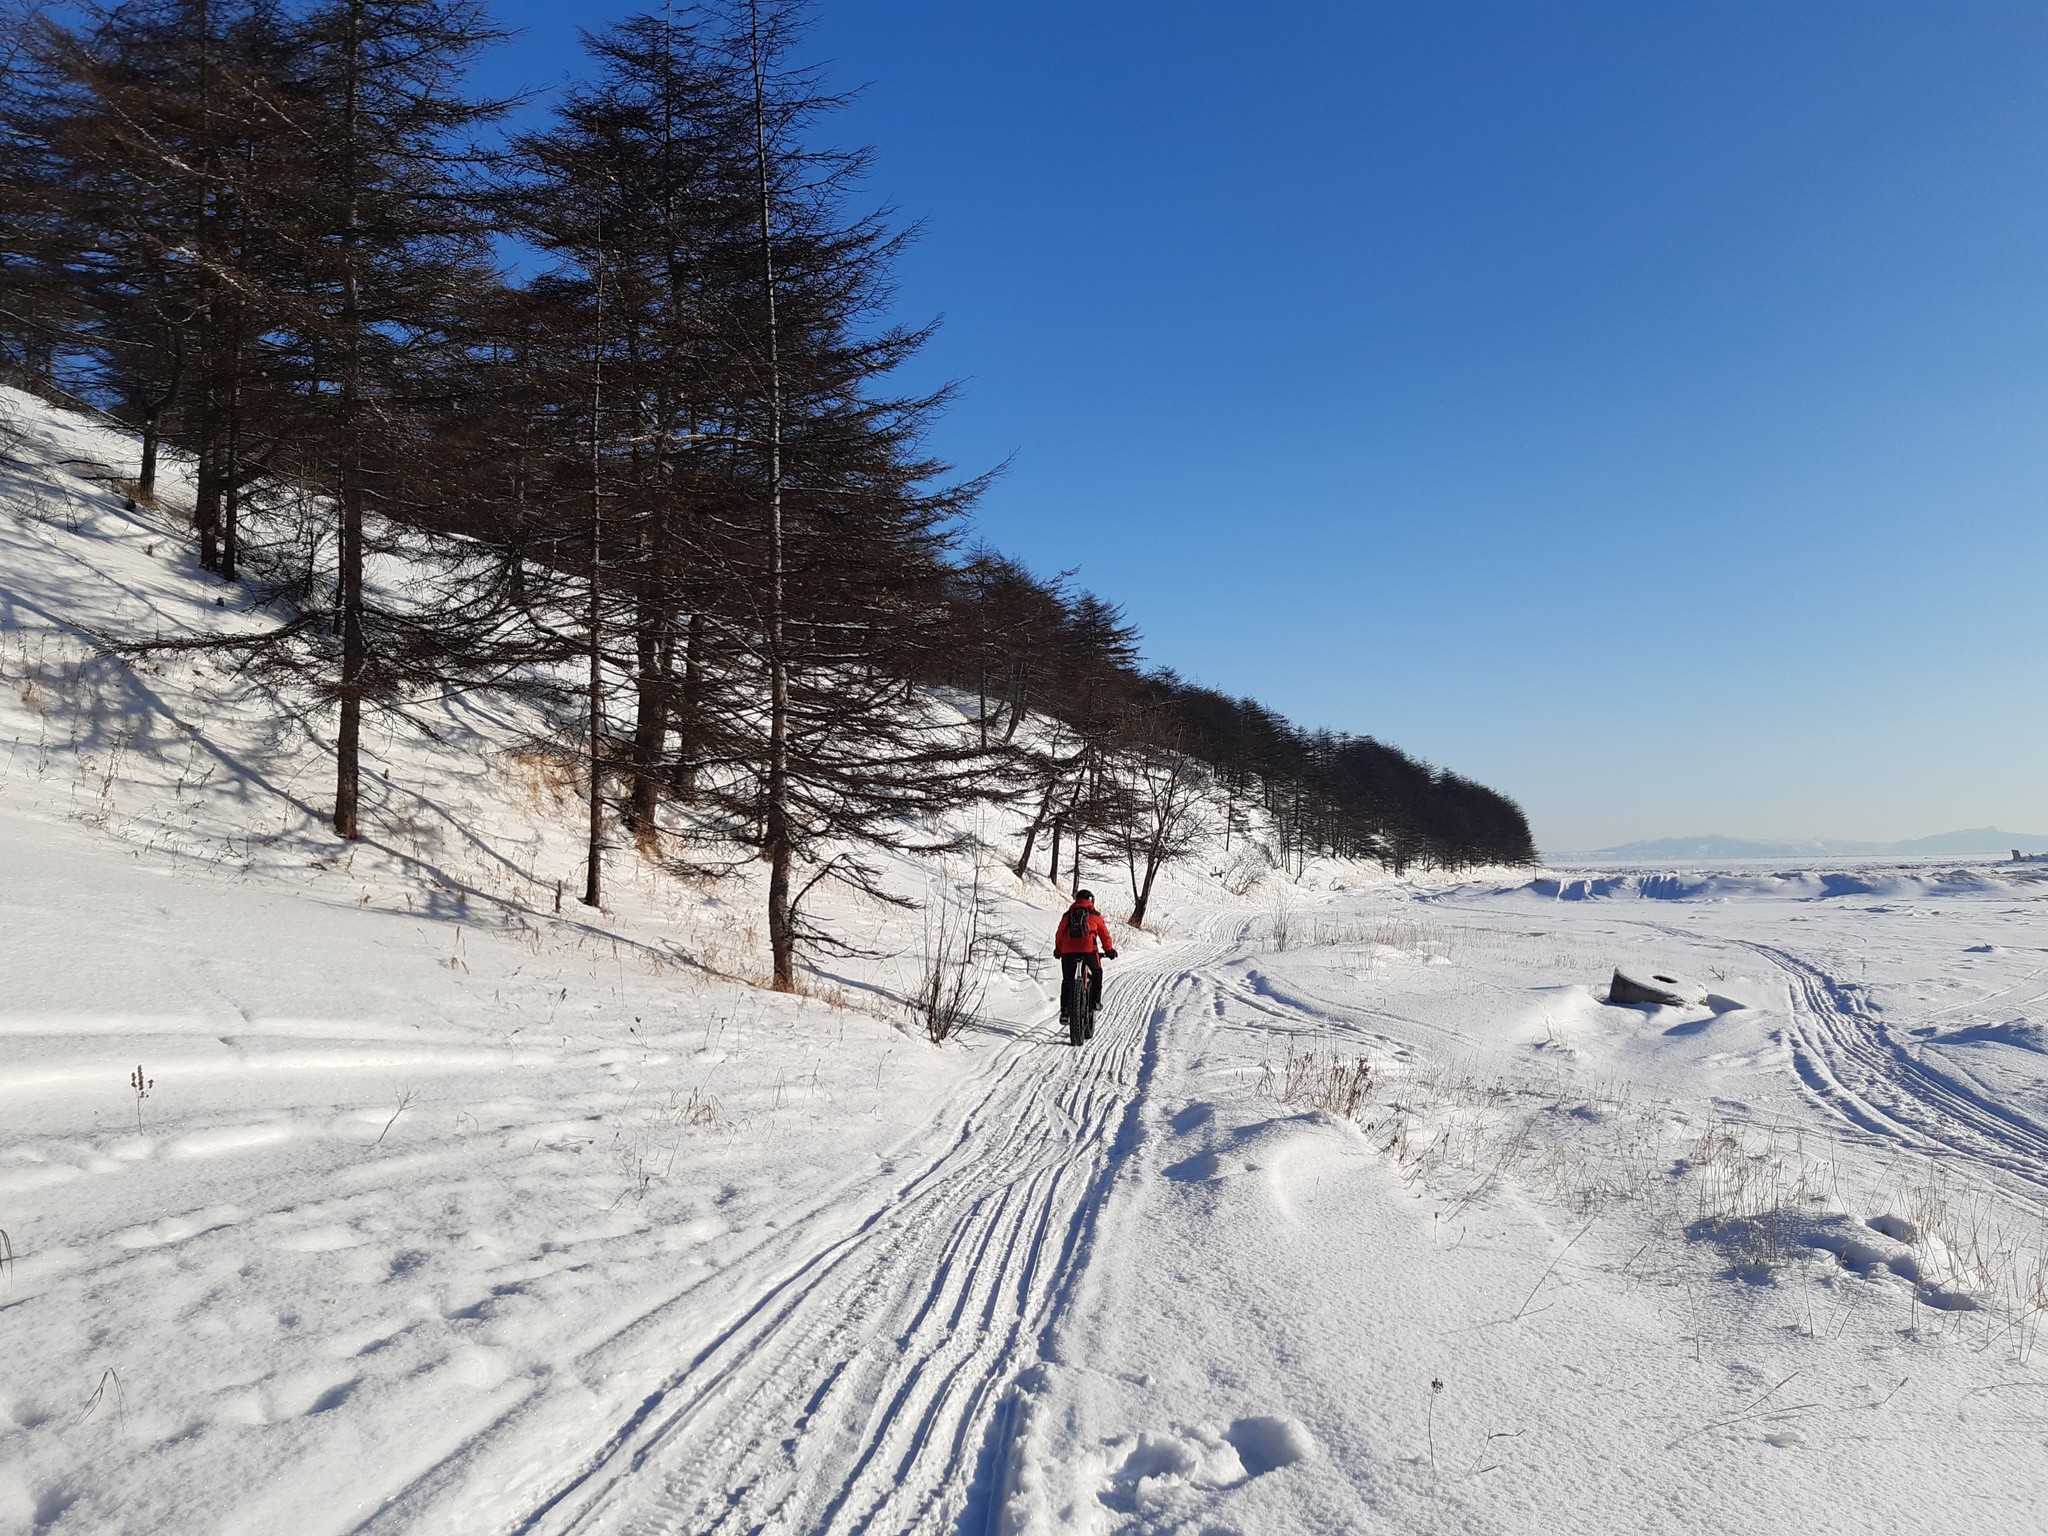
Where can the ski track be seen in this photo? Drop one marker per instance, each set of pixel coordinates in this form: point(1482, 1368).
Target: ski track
point(860, 1391)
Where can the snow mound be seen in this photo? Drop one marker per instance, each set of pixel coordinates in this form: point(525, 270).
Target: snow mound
point(1788, 885)
point(2022, 1034)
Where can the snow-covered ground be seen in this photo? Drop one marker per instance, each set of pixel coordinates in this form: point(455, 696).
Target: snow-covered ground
point(1774, 1262)
point(438, 1211)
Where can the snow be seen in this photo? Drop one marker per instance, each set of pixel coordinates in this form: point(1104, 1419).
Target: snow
point(439, 1211)
point(1622, 1344)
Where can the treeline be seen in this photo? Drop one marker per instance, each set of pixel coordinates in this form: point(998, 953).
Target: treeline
point(609, 399)
point(1023, 643)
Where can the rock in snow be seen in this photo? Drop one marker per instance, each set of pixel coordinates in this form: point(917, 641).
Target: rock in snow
point(1658, 989)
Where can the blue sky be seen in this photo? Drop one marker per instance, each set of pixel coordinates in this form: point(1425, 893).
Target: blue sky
point(1640, 407)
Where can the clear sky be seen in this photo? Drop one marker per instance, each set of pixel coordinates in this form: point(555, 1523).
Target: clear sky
point(1641, 407)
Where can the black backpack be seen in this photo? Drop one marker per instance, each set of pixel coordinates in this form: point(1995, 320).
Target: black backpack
point(1077, 924)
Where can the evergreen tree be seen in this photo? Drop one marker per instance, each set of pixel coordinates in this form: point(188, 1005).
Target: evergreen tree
point(834, 552)
point(145, 147)
point(387, 233)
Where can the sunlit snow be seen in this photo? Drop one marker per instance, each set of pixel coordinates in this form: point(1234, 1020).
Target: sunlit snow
point(355, 1189)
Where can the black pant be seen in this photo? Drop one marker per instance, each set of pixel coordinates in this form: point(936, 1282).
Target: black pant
point(1069, 964)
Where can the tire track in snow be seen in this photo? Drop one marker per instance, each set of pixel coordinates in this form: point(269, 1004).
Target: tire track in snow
point(860, 1392)
point(1852, 1062)
point(1857, 1068)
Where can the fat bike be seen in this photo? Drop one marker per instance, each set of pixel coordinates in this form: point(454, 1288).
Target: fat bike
point(1078, 1013)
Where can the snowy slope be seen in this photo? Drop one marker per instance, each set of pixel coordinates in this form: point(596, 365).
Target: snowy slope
point(432, 1187)
point(447, 1213)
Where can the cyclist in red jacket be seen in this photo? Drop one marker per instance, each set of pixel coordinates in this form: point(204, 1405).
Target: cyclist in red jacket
point(1081, 941)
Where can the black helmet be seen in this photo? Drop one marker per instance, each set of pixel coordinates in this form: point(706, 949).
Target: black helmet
point(1084, 895)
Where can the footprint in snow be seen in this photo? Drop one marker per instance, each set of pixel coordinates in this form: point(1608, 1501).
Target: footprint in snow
point(1159, 1473)
point(175, 1229)
point(327, 1238)
point(1199, 1169)
point(1193, 1118)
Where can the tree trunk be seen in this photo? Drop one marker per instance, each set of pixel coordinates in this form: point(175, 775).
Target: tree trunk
point(650, 721)
point(232, 478)
point(657, 659)
point(1155, 855)
point(354, 648)
point(1017, 693)
point(206, 490)
point(1031, 834)
point(152, 420)
point(689, 715)
point(206, 493)
point(775, 826)
point(230, 528)
point(145, 477)
point(593, 863)
point(348, 737)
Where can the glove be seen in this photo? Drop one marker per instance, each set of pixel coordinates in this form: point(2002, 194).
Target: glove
point(1109, 954)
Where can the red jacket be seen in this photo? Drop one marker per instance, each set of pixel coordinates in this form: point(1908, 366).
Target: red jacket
point(1096, 937)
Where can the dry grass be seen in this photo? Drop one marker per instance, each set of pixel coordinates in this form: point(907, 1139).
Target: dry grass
point(1316, 1079)
point(1774, 1199)
point(951, 979)
point(1966, 1241)
point(1749, 1174)
point(646, 1151)
point(1923, 1245)
point(141, 1085)
point(1280, 919)
point(1246, 866)
point(544, 777)
point(99, 1393)
point(1288, 927)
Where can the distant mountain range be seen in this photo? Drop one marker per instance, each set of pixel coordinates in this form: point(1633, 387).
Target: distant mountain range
point(1973, 840)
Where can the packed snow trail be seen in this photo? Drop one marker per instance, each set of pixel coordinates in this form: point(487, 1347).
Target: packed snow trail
point(858, 1391)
